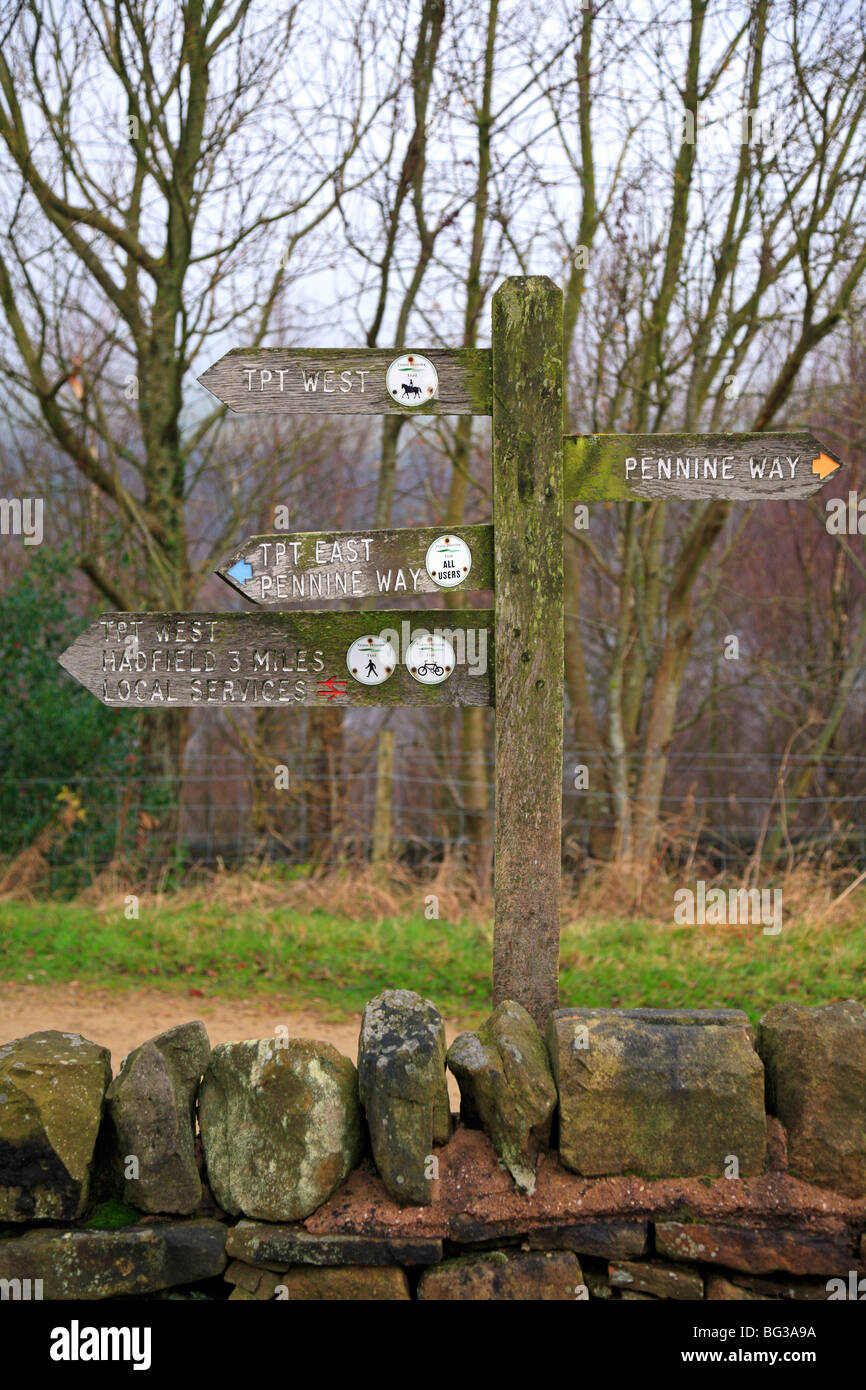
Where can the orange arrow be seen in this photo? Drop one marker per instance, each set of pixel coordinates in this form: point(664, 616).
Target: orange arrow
point(823, 465)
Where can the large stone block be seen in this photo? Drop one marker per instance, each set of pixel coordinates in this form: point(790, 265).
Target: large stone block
point(816, 1085)
point(505, 1275)
point(401, 1073)
point(280, 1126)
point(151, 1109)
point(721, 1290)
point(757, 1249)
point(278, 1247)
point(355, 1283)
point(52, 1087)
point(252, 1284)
point(657, 1092)
point(608, 1239)
point(849, 1286)
point(505, 1081)
point(656, 1278)
point(108, 1264)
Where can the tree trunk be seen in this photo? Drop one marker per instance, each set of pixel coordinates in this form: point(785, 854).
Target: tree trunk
point(594, 800)
point(476, 794)
point(325, 791)
point(382, 829)
point(161, 745)
point(667, 685)
point(273, 806)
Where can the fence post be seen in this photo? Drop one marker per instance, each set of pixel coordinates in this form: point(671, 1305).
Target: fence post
point(527, 518)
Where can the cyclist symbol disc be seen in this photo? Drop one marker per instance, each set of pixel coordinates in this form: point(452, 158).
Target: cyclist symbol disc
point(430, 659)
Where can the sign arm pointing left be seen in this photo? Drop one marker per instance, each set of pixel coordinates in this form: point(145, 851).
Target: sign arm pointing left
point(262, 658)
point(309, 565)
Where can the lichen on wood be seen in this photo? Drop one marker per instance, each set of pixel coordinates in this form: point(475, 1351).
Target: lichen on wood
point(527, 514)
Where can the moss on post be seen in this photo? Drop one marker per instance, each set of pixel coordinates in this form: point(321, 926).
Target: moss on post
point(527, 515)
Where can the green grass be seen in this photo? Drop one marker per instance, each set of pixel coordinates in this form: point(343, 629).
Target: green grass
point(329, 962)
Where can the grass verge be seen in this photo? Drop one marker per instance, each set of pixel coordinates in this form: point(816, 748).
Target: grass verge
point(335, 962)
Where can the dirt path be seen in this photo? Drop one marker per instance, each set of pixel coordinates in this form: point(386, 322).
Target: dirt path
point(121, 1021)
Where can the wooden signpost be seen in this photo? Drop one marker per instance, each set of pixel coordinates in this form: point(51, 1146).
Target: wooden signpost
point(261, 659)
point(686, 467)
point(360, 564)
point(435, 655)
point(350, 381)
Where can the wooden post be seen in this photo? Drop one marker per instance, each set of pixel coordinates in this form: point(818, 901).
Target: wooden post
point(527, 531)
point(384, 796)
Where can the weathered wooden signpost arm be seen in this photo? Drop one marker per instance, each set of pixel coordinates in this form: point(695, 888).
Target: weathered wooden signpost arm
point(313, 565)
point(527, 518)
point(346, 381)
point(687, 467)
point(262, 659)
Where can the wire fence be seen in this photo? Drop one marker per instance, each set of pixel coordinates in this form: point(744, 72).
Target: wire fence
point(225, 811)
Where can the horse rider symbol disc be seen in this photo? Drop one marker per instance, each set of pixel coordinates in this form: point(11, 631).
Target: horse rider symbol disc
point(412, 379)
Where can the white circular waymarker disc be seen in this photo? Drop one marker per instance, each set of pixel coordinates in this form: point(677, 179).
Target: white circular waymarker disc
point(371, 660)
point(430, 659)
point(448, 561)
point(412, 379)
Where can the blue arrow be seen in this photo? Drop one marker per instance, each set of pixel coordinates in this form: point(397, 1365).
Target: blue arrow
point(240, 572)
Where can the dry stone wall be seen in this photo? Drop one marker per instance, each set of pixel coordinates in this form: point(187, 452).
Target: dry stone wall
point(621, 1155)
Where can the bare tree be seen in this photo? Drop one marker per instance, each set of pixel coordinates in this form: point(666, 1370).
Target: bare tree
point(724, 249)
point(167, 167)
